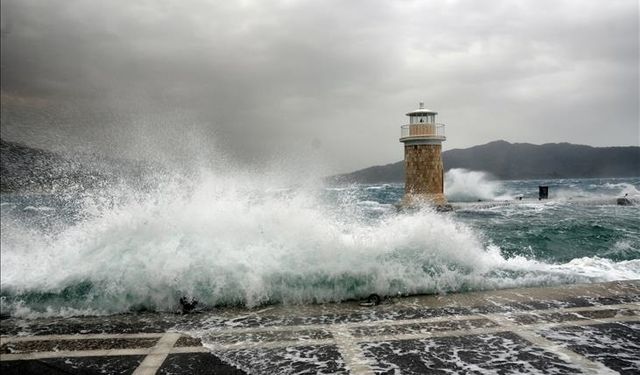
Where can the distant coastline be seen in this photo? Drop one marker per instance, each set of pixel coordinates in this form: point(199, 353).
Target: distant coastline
point(30, 170)
point(519, 161)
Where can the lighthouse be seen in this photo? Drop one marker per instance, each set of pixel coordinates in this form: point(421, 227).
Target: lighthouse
point(424, 172)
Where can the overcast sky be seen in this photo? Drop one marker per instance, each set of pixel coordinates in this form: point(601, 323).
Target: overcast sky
point(332, 78)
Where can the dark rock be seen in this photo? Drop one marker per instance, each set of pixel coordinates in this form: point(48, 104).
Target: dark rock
point(188, 304)
point(624, 202)
point(372, 300)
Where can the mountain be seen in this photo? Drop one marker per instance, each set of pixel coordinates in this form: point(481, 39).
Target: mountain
point(520, 161)
point(27, 169)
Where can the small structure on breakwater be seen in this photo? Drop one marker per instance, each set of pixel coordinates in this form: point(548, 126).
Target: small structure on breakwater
point(424, 171)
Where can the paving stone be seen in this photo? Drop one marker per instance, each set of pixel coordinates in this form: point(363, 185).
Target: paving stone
point(82, 365)
point(324, 359)
point(69, 345)
point(557, 317)
point(196, 363)
point(414, 328)
point(501, 353)
point(122, 323)
point(269, 336)
point(363, 314)
point(616, 345)
point(186, 341)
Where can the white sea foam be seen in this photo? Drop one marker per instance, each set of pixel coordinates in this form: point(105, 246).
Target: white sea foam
point(623, 188)
point(597, 192)
point(40, 208)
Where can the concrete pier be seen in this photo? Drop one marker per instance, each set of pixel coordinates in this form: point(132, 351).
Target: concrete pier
point(567, 329)
point(519, 202)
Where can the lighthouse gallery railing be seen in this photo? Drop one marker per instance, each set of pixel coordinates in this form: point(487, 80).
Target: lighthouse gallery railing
point(422, 130)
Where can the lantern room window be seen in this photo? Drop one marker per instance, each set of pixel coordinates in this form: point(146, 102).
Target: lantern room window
point(422, 119)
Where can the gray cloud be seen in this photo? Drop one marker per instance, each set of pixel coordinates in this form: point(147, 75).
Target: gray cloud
point(259, 78)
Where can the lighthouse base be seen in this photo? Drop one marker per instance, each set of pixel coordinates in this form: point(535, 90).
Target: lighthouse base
point(438, 201)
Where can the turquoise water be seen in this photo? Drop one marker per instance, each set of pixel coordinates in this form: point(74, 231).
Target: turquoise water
point(580, 218)
point(249, 240)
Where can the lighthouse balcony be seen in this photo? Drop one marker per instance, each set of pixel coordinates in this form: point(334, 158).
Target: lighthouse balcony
point(430, 131)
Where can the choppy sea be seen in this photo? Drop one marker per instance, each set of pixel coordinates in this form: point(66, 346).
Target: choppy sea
point(249, 241)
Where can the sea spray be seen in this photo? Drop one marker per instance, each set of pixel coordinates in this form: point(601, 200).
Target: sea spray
point(462, 185)
point(251, 239)
point(226, 242)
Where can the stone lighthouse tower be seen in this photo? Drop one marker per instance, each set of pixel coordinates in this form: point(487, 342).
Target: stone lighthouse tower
point(424, 172)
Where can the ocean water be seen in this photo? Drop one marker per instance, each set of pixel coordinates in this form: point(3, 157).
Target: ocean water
point(251, 240)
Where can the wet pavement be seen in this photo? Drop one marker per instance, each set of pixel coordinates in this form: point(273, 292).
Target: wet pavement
point(570, 329)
